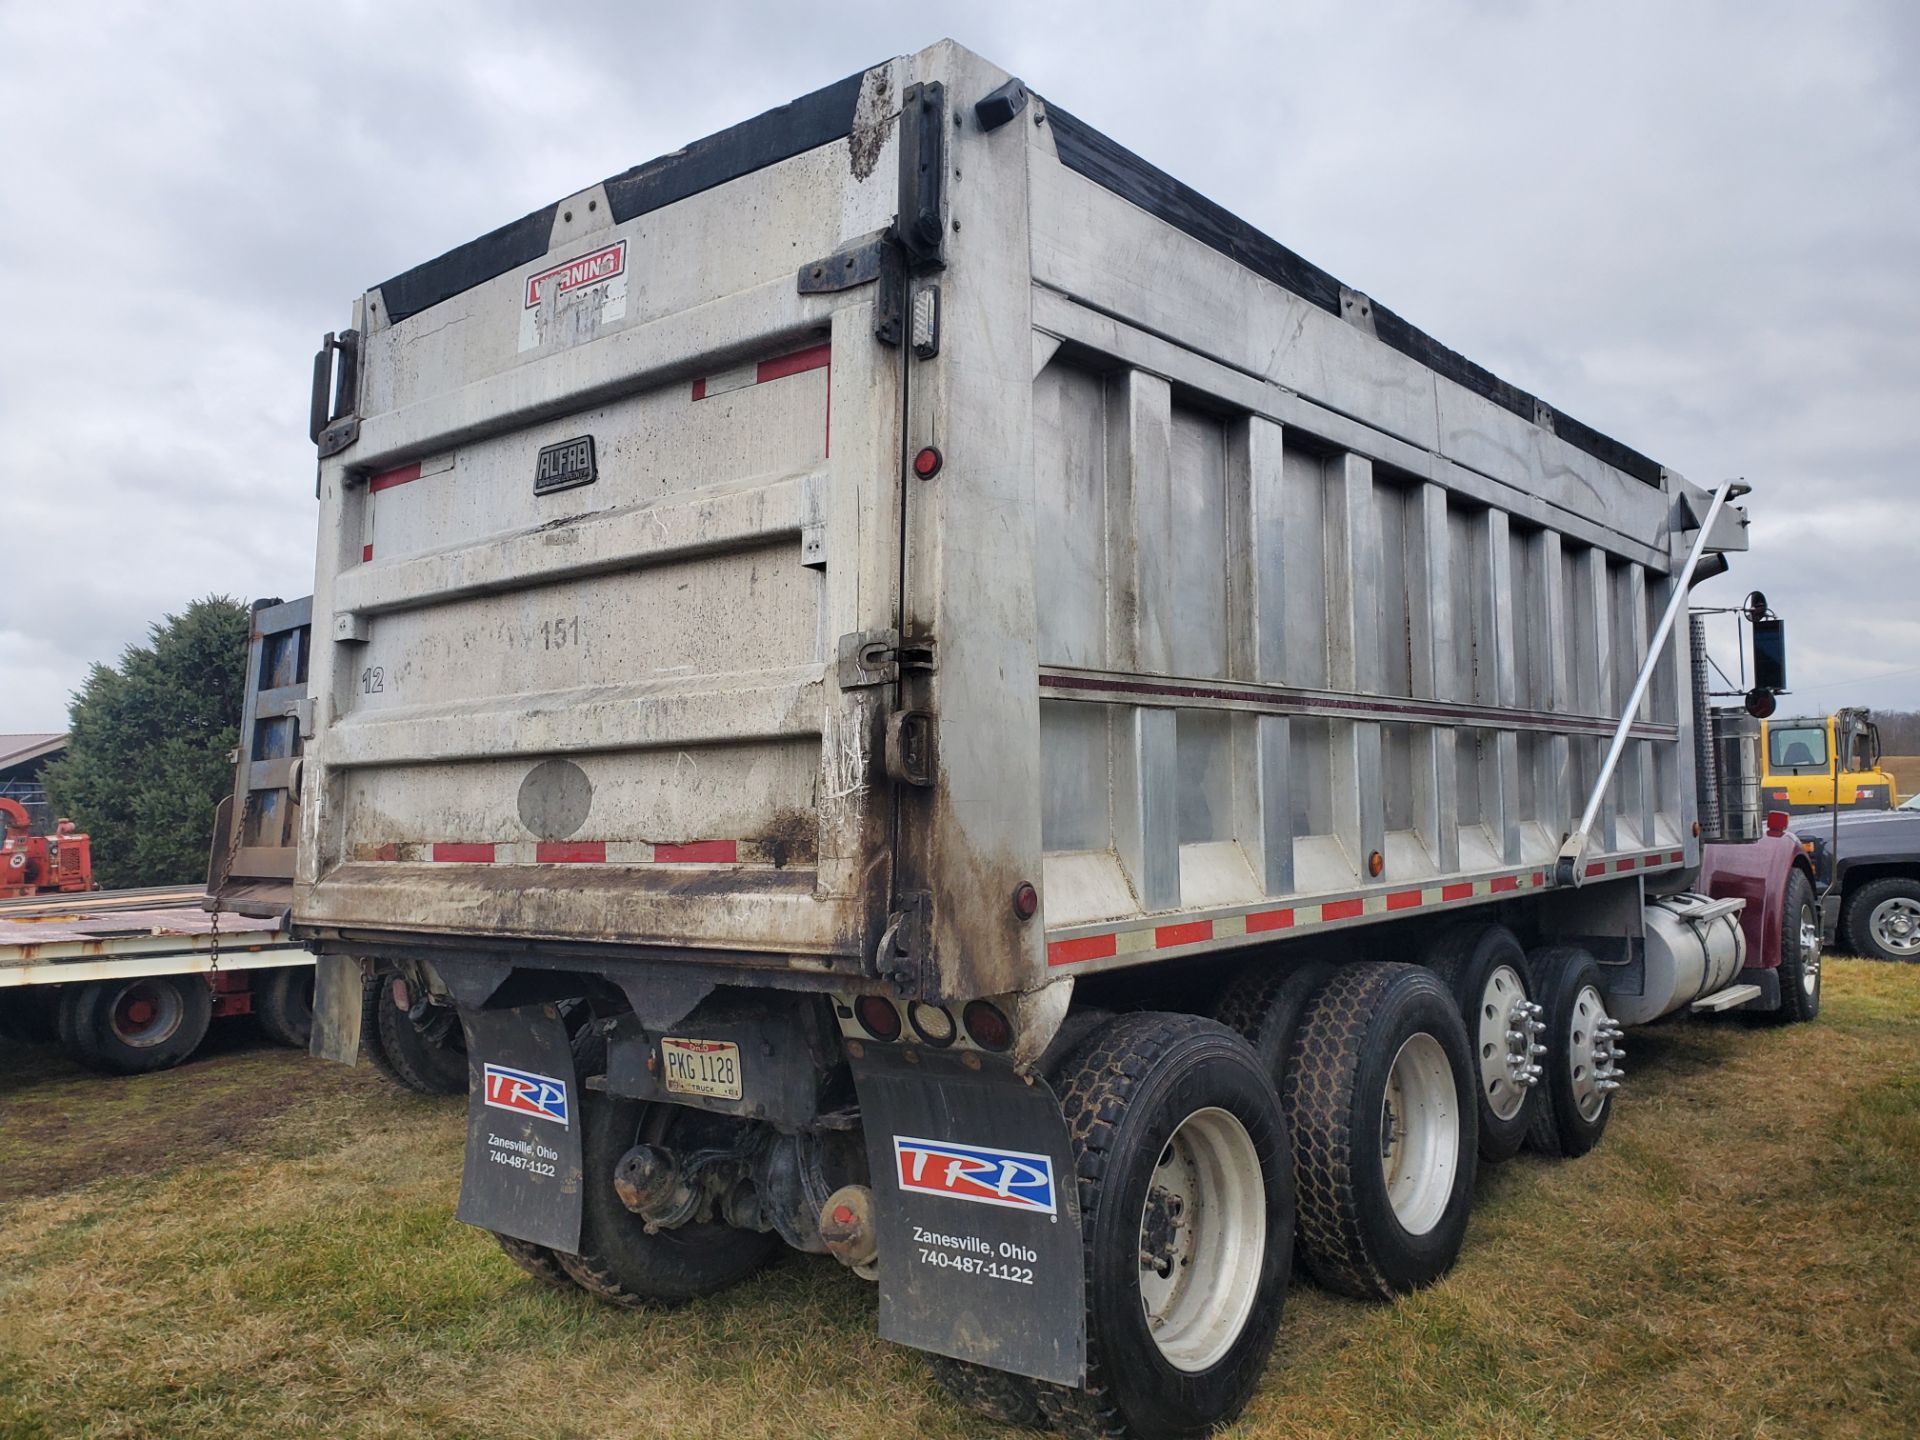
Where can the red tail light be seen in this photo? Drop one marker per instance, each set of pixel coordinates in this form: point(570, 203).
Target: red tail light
point(877, 1016)
point(986, 1026)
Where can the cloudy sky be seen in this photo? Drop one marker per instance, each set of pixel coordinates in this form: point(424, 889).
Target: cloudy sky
point(1694, 226)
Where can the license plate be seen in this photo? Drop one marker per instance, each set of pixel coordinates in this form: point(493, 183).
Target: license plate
point(701, 1067)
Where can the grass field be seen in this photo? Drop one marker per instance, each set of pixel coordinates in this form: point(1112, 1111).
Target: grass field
point(260, 1245)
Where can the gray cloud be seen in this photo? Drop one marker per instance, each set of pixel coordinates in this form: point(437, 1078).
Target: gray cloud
point(1693, 227)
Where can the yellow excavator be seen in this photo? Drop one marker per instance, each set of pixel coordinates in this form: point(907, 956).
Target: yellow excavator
point(1814, 762)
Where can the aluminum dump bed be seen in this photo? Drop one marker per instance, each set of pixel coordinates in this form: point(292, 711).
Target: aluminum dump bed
point(780, 555)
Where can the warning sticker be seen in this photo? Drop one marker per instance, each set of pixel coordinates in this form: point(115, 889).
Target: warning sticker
point(570, 301)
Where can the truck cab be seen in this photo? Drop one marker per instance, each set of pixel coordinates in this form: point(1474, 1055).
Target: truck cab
point(1801, 758)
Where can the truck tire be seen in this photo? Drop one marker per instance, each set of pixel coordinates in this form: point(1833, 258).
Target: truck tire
point(1486, 971)
point(283, 1004)
point(1379, 1100)
point(538, 1261)
point(137, 1026)
point(1577, 1098)
point(1799, 953)
point(1265, 1004)
point(991, 1394)
point(618, 1260)
point(1883, 920)
point(1179, 1151)
point(430, 1059)
point(66, 1005)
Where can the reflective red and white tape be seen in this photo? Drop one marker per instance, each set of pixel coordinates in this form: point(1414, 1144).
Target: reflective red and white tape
point(759, 372)
point(572, 852)
point(1179, 934)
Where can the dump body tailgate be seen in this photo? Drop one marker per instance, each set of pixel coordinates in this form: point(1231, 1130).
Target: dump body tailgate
point(593, 531)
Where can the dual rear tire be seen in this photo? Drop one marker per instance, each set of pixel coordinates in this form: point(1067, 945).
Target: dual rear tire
point(1486, 972)
point(1582, 1055)
point(1180, 1163)
point(135, 1026)
point(1192, 1168)
point(1385, 1138)
point(414, 1043)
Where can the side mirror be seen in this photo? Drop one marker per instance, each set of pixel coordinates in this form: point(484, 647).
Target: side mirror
point(1770, 654)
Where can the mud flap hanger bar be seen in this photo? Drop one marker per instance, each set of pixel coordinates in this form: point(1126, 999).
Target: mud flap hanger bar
point(1570, 868)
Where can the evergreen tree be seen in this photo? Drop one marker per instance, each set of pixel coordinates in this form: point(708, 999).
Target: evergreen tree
point(147, 761)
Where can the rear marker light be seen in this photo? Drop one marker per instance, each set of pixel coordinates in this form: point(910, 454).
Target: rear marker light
point(877, 1017)
point(932, 1024)
point(986, 1026)
point(1026, 900)
point(1777, 822)
point(927, 463)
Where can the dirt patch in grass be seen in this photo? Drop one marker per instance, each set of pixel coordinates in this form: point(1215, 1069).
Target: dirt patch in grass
point(1738, 1258)
point(65, 1126)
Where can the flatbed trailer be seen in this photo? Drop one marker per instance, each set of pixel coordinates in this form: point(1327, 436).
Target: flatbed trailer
point(932, 696)
point(128, 981)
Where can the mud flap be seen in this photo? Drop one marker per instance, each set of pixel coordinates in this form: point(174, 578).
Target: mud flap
point(336, 1009)
point(979, 1225)
point(522, 1174)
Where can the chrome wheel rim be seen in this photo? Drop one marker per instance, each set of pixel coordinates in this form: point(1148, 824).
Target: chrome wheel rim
point(1895, 926)
point(1419, 1133)
point(1809, 950)
point(1508, 1041)
point(1203, 1237)
point(1592, 1053)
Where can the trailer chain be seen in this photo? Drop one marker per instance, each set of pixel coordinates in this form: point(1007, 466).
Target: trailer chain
point(220, 884)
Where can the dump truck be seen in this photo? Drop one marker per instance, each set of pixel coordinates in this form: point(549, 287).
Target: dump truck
point(929, 695)
point(1815, 763)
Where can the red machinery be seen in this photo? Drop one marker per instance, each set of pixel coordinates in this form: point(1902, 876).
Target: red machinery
point(41, 864)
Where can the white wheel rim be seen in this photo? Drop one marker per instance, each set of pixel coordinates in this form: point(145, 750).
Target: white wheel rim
point(1203, 1237)
point(1506, 1090)
point(1809, 950)
point(1587, 1035)
point(1419, 1133)
point(145, 1013)
point(1896, 925)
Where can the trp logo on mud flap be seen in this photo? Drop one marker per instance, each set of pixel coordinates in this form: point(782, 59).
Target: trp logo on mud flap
point(1010, 1178)
point(524, 1093)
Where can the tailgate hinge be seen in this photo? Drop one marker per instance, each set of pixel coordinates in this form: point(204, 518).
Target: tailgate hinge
point(876, 657)
point(332, 425)
point(921, 224)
